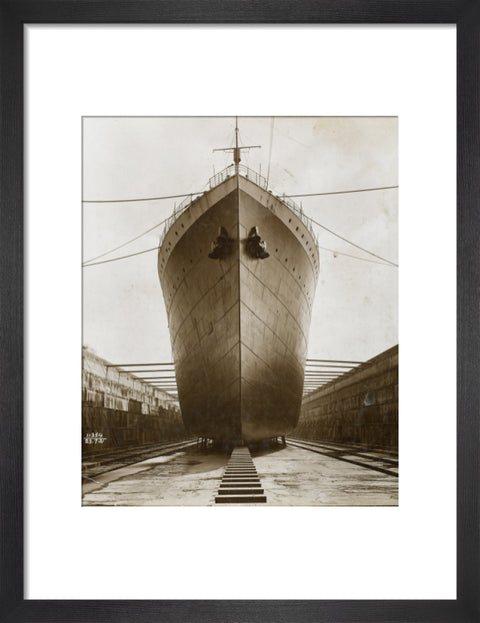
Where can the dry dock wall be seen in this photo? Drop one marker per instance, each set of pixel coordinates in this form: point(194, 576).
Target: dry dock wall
point(123, 411)
point(361, 408)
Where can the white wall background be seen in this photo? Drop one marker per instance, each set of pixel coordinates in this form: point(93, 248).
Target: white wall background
point(311, 553)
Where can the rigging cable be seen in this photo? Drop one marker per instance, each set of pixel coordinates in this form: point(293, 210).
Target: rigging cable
point(343, 192)
point(383, 260)
point(125, 243)
point(123, 257)
point(350, 242)
point(133, 200)
point(270, 150)
point(355, 257)
point(336, 192)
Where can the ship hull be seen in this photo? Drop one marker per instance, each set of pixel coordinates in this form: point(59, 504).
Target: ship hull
point(239, 325)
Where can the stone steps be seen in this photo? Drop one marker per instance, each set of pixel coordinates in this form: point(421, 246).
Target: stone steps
point(240, 483)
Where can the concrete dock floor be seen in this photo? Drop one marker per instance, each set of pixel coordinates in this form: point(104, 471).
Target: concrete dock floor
point(290, 477)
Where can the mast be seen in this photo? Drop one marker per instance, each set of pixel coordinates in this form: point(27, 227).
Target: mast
point(237, 149)
point(236, 153)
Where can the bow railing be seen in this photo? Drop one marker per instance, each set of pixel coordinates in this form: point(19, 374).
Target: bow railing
point(249, 174)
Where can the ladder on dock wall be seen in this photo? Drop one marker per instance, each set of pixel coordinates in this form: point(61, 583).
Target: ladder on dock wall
point(240, 483)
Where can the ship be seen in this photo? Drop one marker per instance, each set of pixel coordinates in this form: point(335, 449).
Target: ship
point(238, 266)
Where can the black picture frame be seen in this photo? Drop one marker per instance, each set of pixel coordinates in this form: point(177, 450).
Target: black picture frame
point(14, 14)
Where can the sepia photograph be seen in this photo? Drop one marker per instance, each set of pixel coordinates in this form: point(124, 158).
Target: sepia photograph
point(204, 249)
point(240, 311)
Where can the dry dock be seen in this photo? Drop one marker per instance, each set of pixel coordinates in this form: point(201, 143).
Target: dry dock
point(290, 476)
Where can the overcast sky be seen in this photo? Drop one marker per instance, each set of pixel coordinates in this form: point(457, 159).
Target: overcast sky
point(355, 314)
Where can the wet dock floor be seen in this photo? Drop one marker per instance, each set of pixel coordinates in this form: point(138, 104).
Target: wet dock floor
point(290, 477)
